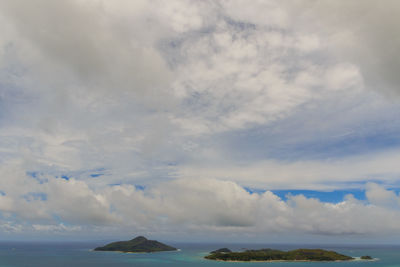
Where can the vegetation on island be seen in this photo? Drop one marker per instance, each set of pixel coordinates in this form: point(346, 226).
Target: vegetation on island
point(221, 250)
point(366, 257)
point(278, 255)
point(138, 244)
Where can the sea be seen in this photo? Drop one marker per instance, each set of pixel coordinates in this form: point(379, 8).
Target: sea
point(81, 254)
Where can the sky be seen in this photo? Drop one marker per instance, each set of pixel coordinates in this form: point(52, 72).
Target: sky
point(216, 120)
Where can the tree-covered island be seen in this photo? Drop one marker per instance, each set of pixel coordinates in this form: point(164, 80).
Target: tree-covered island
point(221, 250)
point(366, 257)
point(138, 244)
point(278, 255)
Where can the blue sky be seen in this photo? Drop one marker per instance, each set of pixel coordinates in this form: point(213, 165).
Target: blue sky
point(200, 120)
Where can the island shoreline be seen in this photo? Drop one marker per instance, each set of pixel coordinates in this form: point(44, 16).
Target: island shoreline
point(139, 244)
point(273, 255)
point(287, 260)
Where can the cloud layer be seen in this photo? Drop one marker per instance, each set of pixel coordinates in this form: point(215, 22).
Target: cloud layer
point(208, 206)
point(154, 116)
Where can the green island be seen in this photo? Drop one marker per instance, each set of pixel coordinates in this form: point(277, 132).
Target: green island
point(221, 250)
point(136, 245)
point(366, 257)
point(278, 255)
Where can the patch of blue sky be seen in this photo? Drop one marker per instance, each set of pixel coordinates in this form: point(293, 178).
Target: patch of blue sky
point(65, 177)
point(32, 196)
point(140, 187)
point(334, 196)
point(81, 174)
point(37, 176)
point(254, 190)
point(32, 174)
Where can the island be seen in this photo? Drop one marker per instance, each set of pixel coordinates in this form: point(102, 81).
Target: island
point(136, 245)
point(221, 250)
point(366, 257)
point(278, 255)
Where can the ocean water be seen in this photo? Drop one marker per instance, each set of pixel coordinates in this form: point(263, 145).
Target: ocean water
point(32, 254)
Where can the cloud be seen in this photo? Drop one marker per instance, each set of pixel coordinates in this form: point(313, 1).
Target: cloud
point(67, 197)
point(191, 101)
point(86, 40)
point(6, 203)
point(378, 195)
point(85, 99)
point(200, 205)
point(235, 77)
point(55, 228)
point(363, 33)
point(311, 174)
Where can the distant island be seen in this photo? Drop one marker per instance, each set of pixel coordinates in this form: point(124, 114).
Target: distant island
point(221, 250)
point(277, 255)
point(138, 244)
point(366, 257)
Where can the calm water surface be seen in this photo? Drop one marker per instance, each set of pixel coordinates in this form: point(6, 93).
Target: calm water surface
point(18, 254)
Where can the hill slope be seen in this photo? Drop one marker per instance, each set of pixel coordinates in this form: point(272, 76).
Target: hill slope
point(138, 244)
point(277, 255)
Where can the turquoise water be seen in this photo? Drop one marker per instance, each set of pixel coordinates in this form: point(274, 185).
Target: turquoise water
point(18, 254)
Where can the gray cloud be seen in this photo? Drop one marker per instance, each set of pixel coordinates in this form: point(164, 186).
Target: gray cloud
point(145, 92)
point(74, 42)
point(202, 204)
point(364, 32)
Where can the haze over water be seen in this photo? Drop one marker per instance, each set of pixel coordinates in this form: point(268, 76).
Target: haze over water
point(80, 255)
